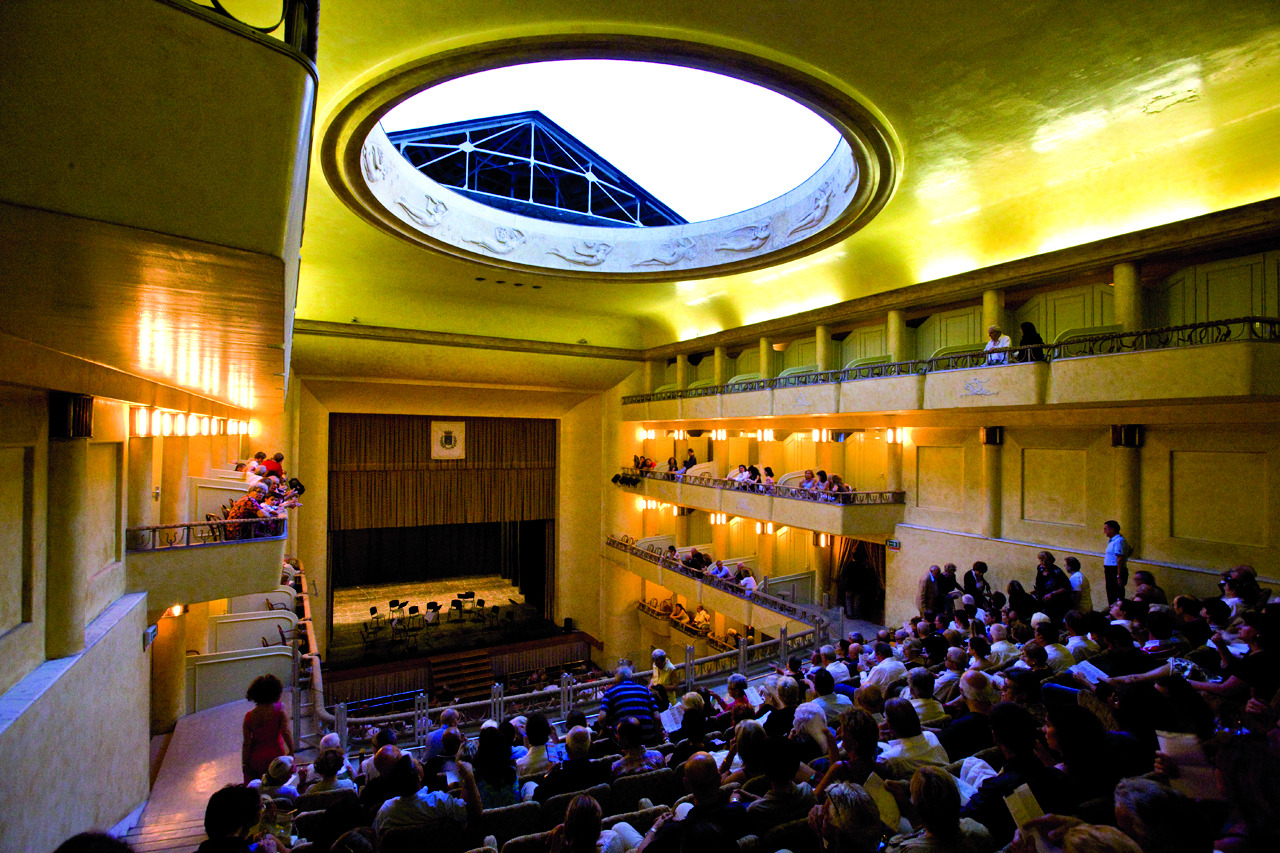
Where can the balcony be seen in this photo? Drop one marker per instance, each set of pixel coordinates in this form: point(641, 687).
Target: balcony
point(1224, 359)
point(184, 563)
point(858, 514)
point(757, 608)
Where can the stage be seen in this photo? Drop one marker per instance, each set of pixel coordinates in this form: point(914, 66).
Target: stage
point(504, 617)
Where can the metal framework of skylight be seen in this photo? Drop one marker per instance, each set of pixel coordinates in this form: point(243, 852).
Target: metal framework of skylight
point(527, 164)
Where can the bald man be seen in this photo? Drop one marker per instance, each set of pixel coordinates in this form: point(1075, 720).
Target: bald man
point(379, 789)
point(702, 780)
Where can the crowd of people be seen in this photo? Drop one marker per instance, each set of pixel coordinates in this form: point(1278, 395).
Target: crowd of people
point(270, 495)
point(752, 478)
point(701, 565)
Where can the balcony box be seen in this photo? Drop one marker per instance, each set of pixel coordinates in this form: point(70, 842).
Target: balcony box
point(874, 520)
point(747, 404)
point(747, 504)
point(700, 497)
point(664, 410)
point(889, 394)
point(666, 491)
point(1237, 369)
point(702, 408)
point(189, 573)
point(807, 399)
point(1003, 386)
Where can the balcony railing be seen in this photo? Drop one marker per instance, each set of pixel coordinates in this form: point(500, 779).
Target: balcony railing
point(195, 534)
point(1264, 329)
point(808, 614)
point(852, 498)
point(686, 628)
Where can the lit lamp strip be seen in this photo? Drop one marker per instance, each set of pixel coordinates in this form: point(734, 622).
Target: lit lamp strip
point(144, 423)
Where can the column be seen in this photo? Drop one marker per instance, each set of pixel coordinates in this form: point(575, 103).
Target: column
point(655, 374)
point(993, 311)
point(68, 533)
point(142, 506)
point(168, 671)
point(173, 480)
point(721, 366)
point(896, 336)
point(991, 506)
point(1128, 486)
point(682, 371)
point(825, 348)
point(1128, 294)
point(893, 464)
point(766, 358)
point(682, 529)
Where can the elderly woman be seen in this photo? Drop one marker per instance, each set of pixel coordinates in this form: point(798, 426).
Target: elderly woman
point(247, 507)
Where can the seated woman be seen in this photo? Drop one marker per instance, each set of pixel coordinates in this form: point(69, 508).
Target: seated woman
point(672, 464)
point(244, 509)
point(768, 482)
point(679, 614)
point(583, 832)
point(495, 771)
point(327, 766)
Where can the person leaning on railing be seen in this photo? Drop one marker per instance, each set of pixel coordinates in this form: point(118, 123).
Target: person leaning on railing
point(244, 509)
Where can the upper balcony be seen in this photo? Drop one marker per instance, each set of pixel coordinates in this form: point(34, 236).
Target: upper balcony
point(186, 563)
point(755, 608)
point(856, 514)
point(1221, 360)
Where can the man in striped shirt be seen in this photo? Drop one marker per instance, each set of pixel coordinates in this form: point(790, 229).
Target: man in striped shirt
point(629, 699)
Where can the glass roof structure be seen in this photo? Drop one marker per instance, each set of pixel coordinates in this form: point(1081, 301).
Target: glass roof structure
point(527, 164)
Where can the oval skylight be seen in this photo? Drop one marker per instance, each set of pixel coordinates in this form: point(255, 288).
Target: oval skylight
point(704, 144)
point(587, 156)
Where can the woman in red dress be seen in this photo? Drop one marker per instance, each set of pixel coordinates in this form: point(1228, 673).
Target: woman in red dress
point(267, 733)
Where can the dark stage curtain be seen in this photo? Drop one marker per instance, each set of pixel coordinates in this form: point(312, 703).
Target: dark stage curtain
point(515, 550)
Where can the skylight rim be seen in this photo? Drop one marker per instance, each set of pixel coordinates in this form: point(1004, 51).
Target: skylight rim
point(872, 143)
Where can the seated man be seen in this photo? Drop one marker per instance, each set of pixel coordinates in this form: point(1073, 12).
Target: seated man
point(786, 800)
point(379, 788)
point(831, 702)
point(887, 669)
point(383, 737)
point(415, 806)
point(635, 758)
point(920, 682)
point(231, 813)
point(910, 747)
point(537, 732)
point(709, 807)
point(701, 618)
point(575, 774)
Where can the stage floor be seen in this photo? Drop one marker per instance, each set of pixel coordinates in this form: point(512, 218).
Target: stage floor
point(351, 605)
point(515, 620)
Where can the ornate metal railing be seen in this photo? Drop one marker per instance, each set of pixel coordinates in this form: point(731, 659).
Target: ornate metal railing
point(1265, 329)
point(686, 628)
point(791, 492)
point(197, 533)
point(299, 20)
point(800, 612)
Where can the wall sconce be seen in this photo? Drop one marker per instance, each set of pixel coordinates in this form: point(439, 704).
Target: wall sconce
point(759, 528)
point(640, 433)
point(679, 434)
point(215, 426)
point(640, 504)
point(821, 435)
point(893, 436)
point(166, 424)
point(176, 610)
point(204, 425)
point(768, 528)
point(193, 424)
point(157, 422)
point(139, 422)
point(719, 434)
point(179, 423)
point(820, 539)
point(718, 518)
point(764, 435)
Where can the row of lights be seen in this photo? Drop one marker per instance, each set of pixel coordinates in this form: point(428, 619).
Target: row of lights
point(144, 422)
point(649, 503)
point(767, 527)
point(891, 435)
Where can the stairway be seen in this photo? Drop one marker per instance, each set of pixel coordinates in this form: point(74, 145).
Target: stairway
point(179, 836)
point(469, 674)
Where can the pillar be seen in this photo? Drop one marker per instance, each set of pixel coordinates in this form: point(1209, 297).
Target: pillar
point(1128, 486)
point(68, 567)
point(1128, 295)
point(655, 374)
point(721, 365)
point(142, 506)
point(682, 529)
point(173, 480)
point(168, 671)
point(991, 503)
point(993, 311)
point(825, 348)
point(896, 336)
point(893, 464)
point(766, 358)
point(682, 371)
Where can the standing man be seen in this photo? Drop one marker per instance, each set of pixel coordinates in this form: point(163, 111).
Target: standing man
point(690, 460)
point(625, 699)
point(975, 584)
point(1115, 561)
point(665, 676)
point(930, 596)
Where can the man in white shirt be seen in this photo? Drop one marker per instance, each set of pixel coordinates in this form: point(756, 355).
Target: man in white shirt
point(748, 582)
point(1081, 593)
point(741, 476)
point(1059, 656)
point(947, 683)
point(1080, 646)
point(831, 663)
point(887, 669)
point(1115, 561)
point(702, 618)
point(1001, 648)
point(910, 745)
point(999, 341)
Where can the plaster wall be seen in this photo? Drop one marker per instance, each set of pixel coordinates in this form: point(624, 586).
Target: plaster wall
point(74, 735)
point(24, 471)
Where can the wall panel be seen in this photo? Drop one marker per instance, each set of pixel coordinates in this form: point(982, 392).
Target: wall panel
point(1053, 486)
point(1219, 496)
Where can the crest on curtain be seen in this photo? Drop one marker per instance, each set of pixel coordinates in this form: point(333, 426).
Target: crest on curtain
point(448, 439)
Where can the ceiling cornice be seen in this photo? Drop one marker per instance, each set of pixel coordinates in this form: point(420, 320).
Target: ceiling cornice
point(322, 328)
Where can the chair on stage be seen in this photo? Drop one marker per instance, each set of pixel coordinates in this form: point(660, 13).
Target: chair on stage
point(376, 621)
point(432, 616)
point(413, 625)
point(369, 637)
point(456, 604)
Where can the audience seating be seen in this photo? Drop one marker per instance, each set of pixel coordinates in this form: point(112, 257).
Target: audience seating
point(640, 821)
point(659, 786)
point(507, 822)
point(324, 799)
point(442, 835)
point(553, 810)
point(538, 842)
point(794, 835)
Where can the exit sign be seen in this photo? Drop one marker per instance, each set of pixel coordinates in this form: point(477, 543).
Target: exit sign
point(893, 544)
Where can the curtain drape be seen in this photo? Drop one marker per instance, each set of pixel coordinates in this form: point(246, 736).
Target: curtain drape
point(381, 473)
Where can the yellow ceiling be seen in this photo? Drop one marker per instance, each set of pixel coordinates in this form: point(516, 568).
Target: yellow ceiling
point(1025, 127)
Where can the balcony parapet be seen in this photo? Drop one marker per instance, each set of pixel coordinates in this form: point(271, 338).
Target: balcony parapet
point(821, 391)
point(807, 614)
point(186, 563)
